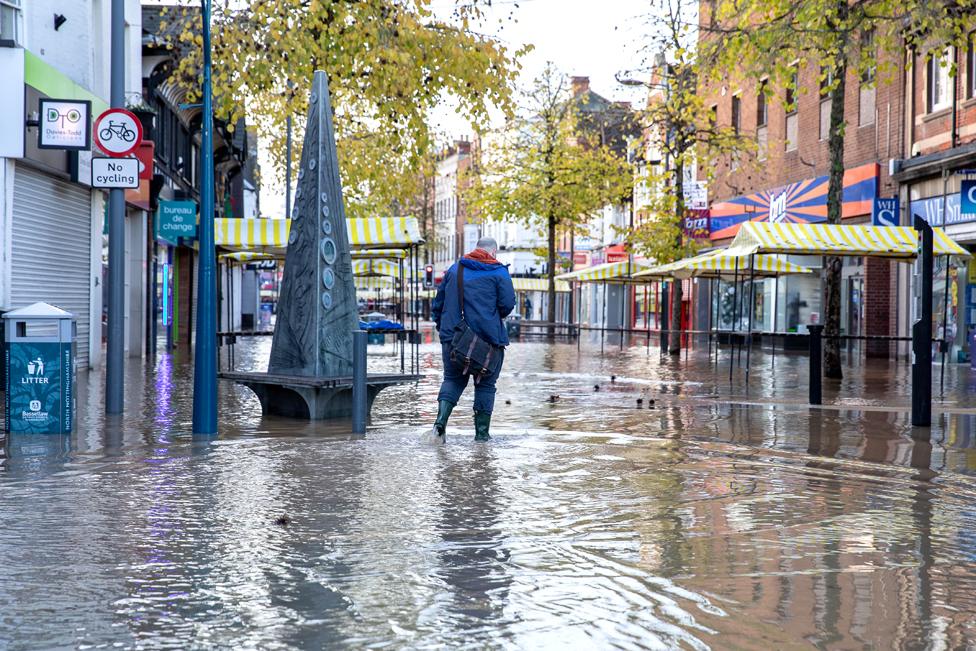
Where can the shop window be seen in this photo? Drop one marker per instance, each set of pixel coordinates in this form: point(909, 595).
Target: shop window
point(937, 82)
point(10, 17)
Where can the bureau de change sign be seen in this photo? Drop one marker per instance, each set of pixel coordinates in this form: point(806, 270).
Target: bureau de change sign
point(176, 219)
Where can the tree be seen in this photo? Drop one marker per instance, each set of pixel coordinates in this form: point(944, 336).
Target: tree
point(680, 135)
point(544, 172)
point(847, 39)
point(389, 62)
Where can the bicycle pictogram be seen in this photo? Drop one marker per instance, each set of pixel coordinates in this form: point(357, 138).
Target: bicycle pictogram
point(119, 129)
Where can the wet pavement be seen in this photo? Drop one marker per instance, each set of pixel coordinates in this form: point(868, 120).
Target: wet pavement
point(715, 517)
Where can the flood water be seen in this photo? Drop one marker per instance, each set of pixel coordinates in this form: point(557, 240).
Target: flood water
point(719, 517)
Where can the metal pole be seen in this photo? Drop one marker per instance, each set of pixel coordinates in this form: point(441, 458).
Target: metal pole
point(115, 346)
point(752, 312)
point(922, 332)
point(735, 316)
point(945, 327)
point(205, 356)
point(623, 293)
point(288, 161)
point(816, 365)
point(359, 407)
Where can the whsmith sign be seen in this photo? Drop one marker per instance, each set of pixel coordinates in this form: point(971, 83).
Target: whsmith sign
point(176, 219)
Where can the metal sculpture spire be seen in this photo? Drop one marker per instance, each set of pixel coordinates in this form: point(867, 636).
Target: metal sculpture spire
point(317, 309)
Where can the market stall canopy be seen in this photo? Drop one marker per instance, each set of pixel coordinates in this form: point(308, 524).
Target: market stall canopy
point(366, 254)
point(371, 267)
point(271, 235)
point(247, 256)
point(538, 285)
point(609, 272)
point(837, 239)
point(374, 282)
point(716, 264)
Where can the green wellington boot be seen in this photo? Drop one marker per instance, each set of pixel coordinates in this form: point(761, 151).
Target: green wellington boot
point(444, 409)
point(482, 421)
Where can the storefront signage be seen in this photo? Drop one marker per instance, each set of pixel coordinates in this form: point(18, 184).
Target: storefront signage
point(804, 202)
point(885, 212)
point(176, 219)
point(118, 132)
point(967, 198)
point(115, 173)
point(939, 212)
point(695, 225)
point(64, 124)
point(696, 196)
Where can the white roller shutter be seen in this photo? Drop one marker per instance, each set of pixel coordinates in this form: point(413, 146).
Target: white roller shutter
point(51, 248)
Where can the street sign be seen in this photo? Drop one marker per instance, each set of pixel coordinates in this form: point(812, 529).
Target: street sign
point(115, 173)
point(967, 198)
point(696, 196)
point(885, 211)
point(64, 124)
point(176, 219)
point(118, 132)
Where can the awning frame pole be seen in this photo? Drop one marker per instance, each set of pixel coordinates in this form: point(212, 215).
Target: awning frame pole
point(735, 317)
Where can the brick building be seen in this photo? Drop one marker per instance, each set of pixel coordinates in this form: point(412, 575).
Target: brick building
point(454, 232)
point(939, 148)
point(785, 180)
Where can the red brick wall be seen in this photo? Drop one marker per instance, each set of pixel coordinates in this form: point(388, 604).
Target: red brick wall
point(932, 131)
point(878, 305)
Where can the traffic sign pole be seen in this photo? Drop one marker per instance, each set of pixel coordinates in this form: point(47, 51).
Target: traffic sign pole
point(115, 345)
point(205, 356)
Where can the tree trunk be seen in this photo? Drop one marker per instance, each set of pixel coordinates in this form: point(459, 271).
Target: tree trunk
point(551, 272)
point(674, 338)
point(835, 195)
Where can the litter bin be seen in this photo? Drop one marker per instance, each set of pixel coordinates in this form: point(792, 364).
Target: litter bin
point(39, 365)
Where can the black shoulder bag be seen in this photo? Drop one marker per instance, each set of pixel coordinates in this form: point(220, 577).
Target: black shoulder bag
point(478, 357)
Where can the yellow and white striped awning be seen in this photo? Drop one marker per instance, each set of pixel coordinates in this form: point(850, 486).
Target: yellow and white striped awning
point(379, 268)
point(720, 263)
point(365, 283)
point(271, 235)
point(837, 239)
point(247, 256)
point(538, 285)
point(609, 272)
point(366, 254)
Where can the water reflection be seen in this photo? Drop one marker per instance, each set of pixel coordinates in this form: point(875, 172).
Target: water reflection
point(718, 517)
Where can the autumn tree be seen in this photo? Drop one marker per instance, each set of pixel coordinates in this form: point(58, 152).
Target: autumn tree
point(389, 63)
point(543, 171)
point(680, 136)
point(847, 39)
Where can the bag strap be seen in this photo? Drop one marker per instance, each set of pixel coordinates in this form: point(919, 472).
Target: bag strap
point(460, 285)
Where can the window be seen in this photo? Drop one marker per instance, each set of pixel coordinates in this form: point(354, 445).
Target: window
point(867, 45)
point(714, 114)
point(826, 81)
point(791, 110)
point(937, 82)
point(737, 113)
point(866, 93)
point(762, 109)
point(970, 70)
point(10, 21)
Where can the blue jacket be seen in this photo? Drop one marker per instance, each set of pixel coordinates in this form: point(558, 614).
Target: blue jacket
point(488, 298)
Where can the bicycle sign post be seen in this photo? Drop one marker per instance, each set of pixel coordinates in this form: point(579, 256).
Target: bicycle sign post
point(118, 132)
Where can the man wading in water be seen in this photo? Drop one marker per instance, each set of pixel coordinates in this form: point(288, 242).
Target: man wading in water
point(488, 298)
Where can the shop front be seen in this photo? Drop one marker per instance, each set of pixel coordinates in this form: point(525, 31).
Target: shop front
point(790, 303)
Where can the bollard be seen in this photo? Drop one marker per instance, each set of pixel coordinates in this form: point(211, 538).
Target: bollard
point(922, 330)
point(816, 372)
point(359, 411)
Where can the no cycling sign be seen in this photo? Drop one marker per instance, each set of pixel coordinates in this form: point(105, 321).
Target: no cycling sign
point(118, 132)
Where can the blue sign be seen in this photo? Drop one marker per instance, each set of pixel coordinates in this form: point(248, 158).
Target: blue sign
point(176, 219)
point(939, 212)
point(885, 212)
point(39, 387)
point(967, 198)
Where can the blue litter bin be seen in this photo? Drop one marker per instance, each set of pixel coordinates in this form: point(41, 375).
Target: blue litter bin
point(39, 366)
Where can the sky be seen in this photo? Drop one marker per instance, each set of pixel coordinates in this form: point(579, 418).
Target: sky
point(595, 39)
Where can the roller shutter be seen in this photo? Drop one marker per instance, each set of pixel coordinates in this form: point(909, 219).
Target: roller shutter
point(51, 248)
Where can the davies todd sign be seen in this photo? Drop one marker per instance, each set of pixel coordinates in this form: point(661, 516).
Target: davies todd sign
point(64, 124)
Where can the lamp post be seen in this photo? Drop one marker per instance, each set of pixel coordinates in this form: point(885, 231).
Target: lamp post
point(205, 355)
point(115, 346)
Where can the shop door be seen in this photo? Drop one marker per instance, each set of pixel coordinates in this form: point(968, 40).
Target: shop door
point(853, 316)
point(51, 248)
